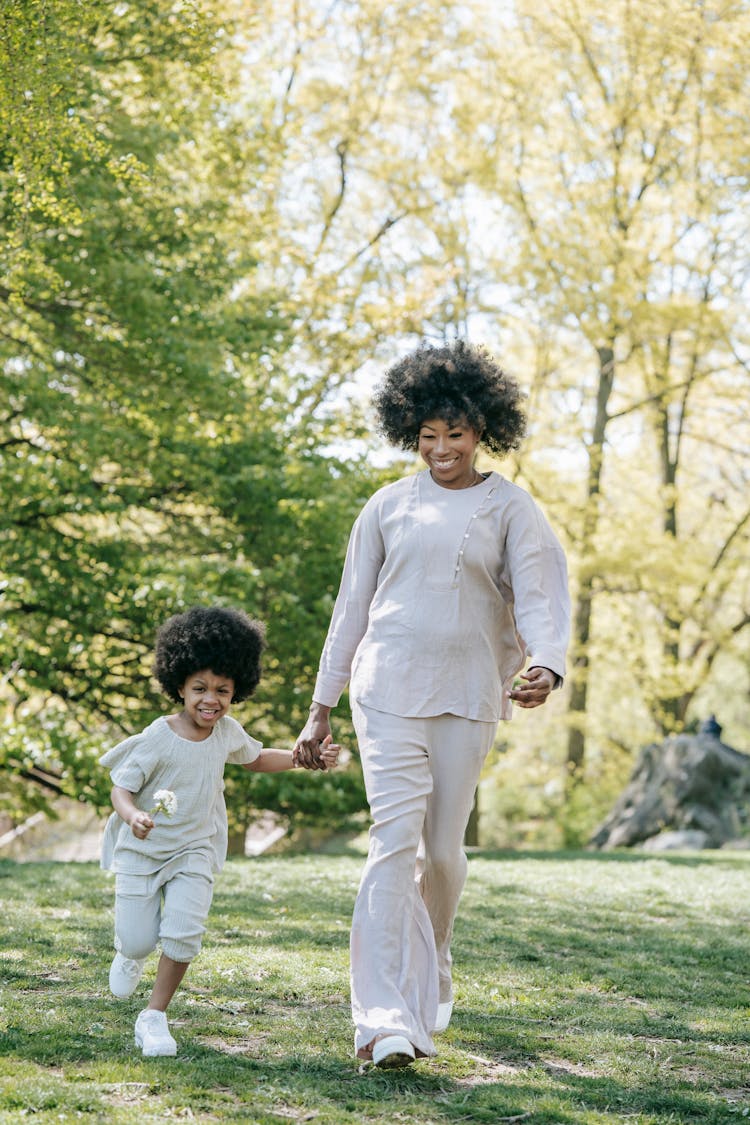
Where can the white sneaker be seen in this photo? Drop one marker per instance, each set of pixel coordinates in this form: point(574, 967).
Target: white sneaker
point(152, 1034)
point(124, 975)
point(392, 1051)
point(444, 1013)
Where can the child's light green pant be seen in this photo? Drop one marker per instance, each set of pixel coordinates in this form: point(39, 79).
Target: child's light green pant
point(168, 907)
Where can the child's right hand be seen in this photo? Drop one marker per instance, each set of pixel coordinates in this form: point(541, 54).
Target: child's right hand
point(141, 824)
point(329, 753)
point(325, 758)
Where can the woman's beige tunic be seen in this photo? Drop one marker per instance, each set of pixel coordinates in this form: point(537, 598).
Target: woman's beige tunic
point(445, 595)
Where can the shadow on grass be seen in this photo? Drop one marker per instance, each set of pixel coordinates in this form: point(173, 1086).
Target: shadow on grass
point(608, 980)
point(259, 1079)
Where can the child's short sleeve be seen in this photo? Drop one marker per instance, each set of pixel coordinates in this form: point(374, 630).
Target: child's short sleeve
point(241, 747)
point(127, 763)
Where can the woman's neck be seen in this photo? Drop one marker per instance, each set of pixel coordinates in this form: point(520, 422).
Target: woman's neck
point(474, 478)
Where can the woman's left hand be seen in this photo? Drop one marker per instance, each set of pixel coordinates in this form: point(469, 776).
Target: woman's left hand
point(533, 693)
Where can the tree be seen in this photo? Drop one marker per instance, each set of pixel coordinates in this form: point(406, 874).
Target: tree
point(307, 191)
point(111, 322)
point(144, 434)
point(554, 218)
point(619, 179)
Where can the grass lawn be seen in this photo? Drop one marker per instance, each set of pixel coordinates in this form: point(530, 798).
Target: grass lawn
point(589, 989)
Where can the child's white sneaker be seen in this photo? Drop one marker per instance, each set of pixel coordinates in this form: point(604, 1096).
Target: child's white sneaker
point(152, 1034)
point(124, 974)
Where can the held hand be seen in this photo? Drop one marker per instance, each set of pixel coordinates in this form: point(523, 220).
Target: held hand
point(329, 753)
point(141, 824)
point(539, 683)
point(308, 747)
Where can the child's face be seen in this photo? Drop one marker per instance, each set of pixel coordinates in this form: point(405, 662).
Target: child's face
point(206, 697)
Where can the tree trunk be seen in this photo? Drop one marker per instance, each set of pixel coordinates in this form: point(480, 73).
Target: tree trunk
point(671, 708)
point(471, 836)
point(237, 831)
point(584, 605)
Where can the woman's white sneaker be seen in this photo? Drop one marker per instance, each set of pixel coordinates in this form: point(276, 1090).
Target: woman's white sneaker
point(152, 1034)
point(392, 1051)
point(124, 974)
point(444, 1013)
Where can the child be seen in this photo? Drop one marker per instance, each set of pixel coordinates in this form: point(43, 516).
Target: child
point(168, 834)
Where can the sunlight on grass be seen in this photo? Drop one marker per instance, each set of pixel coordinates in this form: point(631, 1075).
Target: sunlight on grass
point(588, 989)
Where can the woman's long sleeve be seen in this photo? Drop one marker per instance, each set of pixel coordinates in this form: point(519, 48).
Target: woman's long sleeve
point(538, 576)
point(359, 580)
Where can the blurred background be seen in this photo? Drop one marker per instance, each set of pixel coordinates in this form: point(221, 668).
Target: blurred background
point(222, 221)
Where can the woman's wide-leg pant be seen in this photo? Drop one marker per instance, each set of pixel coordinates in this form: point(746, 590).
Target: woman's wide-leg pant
point(420, 777)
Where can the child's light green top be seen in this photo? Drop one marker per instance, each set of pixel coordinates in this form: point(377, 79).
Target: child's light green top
point(157, 758)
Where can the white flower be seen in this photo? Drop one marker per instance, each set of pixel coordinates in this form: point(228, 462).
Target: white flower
point(165, 801)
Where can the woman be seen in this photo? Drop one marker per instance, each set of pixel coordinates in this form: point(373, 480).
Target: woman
point(453, 581)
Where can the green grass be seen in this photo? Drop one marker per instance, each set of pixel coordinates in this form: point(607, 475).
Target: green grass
point(589, 989)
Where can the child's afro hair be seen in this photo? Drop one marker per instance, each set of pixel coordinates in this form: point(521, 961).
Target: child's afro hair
point(225, 641)
point(459, 380)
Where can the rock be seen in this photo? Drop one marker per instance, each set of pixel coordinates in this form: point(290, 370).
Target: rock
point(689, 783)
point(691, 840)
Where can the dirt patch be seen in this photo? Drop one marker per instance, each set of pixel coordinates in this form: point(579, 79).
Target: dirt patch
point(490, 1070)
point(252, 1045)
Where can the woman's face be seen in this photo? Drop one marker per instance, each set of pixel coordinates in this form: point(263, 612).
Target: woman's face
point(448, 450)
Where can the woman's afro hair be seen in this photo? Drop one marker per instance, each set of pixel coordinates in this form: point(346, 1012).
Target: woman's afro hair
point(456, 381)
point(225, 641)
